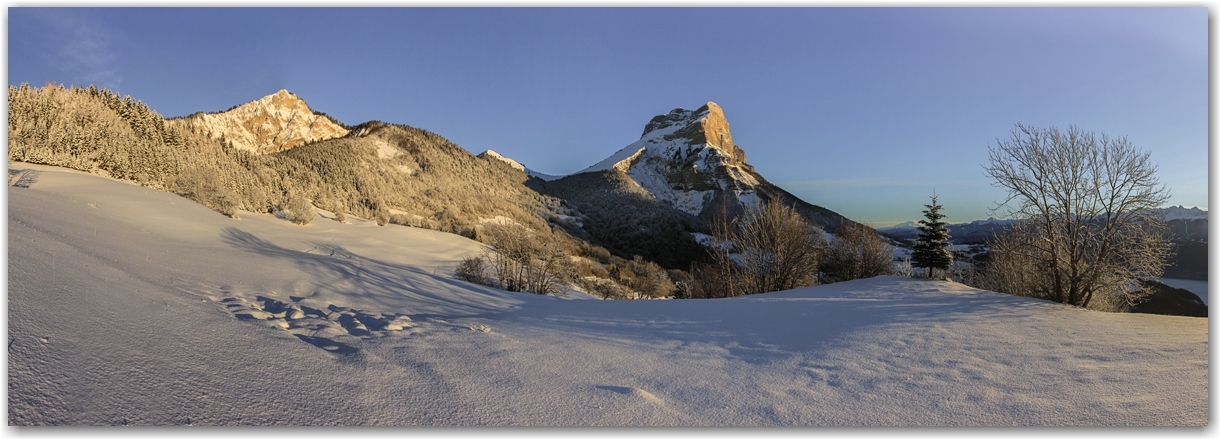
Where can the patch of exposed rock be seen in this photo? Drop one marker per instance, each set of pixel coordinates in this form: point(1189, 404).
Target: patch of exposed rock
point(274, 123)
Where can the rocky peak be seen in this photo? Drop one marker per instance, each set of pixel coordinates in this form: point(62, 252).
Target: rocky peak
point(688, 158)
point(275, 122)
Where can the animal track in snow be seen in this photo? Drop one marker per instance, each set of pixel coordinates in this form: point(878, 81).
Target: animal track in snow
point(314, 325)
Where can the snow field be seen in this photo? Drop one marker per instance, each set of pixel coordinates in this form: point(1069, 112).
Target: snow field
point(130, 306)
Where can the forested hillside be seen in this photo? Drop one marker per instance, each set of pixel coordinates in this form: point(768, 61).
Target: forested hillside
point(391, 173)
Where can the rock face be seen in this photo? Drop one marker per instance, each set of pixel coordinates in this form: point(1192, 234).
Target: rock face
point(276, 122)
point(656, 196)
point(688, 159)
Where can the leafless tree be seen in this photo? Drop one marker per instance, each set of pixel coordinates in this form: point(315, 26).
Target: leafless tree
point(777, 249)
point(1087, 231)
point(858, 252)
point(526, 261)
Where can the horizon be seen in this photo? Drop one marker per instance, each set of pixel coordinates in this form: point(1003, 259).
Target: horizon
point(860, 111)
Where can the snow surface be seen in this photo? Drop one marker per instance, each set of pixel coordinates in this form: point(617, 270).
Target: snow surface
point(619, 160)
point(518, 166)
point(130, 306)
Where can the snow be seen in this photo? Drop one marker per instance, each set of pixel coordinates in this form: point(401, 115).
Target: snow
point(545, 177)
point(1181, 212)
point(129, 306)
point(518, 166)
point(618, 160)
point(513, 163)
point(385, 150)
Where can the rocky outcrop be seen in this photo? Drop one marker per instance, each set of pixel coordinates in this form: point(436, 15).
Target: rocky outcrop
point(277, 122)
point(688, 160)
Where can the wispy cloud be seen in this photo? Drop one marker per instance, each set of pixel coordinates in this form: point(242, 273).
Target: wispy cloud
point(84, 48)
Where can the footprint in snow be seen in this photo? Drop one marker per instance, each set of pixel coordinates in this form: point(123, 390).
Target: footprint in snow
point(313, 325)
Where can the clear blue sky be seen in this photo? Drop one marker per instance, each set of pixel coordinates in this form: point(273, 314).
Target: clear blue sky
point(862, 111)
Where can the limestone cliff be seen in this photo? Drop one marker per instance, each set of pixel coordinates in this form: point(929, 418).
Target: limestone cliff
point(274, 123)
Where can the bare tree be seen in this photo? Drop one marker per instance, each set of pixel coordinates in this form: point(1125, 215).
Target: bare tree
point(525, 261)
point(718, 276)
point(1087, 231)
point(777, 249)
point(858, 252)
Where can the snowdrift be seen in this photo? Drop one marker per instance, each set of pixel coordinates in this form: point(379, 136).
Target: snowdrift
point(129, 306)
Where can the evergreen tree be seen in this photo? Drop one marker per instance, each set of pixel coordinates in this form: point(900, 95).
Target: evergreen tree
point(932, 245)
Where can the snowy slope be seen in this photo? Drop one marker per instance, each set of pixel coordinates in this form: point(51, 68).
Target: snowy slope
point(133, 306)
point(518, 166)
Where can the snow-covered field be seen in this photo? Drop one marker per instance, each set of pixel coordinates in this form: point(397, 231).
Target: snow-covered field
point(132, 306)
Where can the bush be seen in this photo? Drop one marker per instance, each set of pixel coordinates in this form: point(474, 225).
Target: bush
point(472, 269)
point(650, 279)
point(199, 185)
point(524, 261)
point(382, 217)
point(299, 211)
point(858, 252)
point(606, 289)
point(770, 247)
point(340, 217)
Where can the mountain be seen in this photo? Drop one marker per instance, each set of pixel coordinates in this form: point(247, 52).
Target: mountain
point(1182, 213)
point(516, 165)
point(1185, 224)
point(651, 196)
point(962, 233)
point(688, 160)
point(276, 122)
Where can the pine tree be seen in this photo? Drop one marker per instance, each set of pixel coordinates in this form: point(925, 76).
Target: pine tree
point(932, 245)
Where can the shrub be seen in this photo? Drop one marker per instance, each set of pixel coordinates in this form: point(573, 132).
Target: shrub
point(472, 269)
point(299, 211)
point(858, 252)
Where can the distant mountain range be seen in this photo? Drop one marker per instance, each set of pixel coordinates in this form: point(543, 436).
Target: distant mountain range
point(1186, 223)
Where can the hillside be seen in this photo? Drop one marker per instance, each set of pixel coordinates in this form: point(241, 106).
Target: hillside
point(262, 155)
point(131, 306)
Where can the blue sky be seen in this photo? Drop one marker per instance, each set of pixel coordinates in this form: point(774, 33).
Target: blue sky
point(862, 111)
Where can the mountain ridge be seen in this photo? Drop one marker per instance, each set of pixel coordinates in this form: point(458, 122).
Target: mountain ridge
point(272, 123)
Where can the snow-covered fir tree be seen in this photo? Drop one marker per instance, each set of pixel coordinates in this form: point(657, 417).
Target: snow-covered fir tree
point(931, 249)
